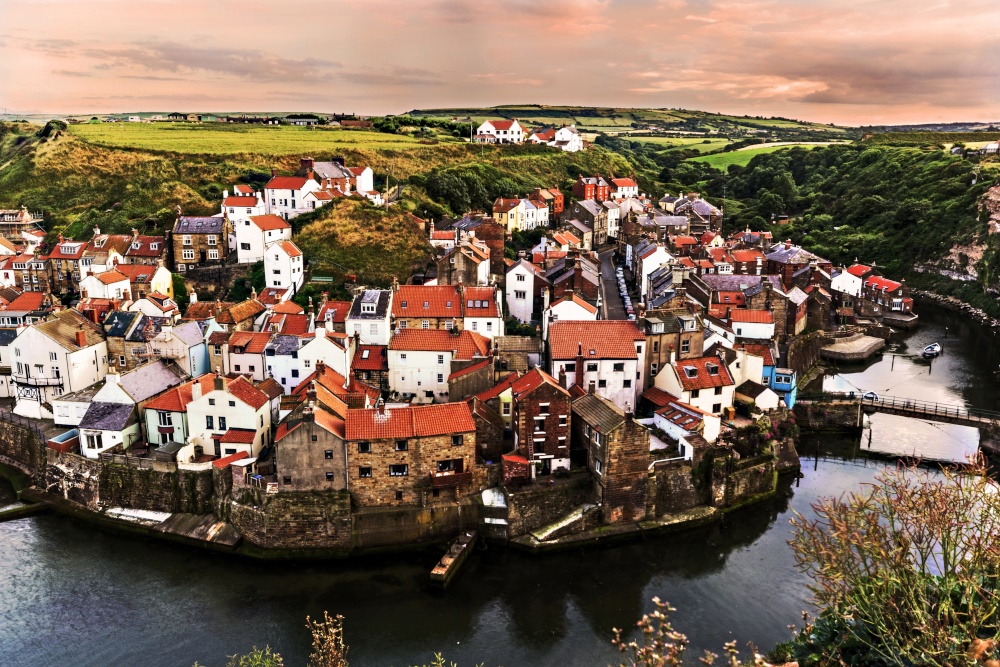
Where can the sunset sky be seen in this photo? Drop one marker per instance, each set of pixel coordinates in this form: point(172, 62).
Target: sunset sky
point(842, 61)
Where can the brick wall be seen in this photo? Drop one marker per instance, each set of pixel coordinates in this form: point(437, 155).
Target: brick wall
point(305, 520)
point(471, 383)
point(539, 504)
point(524, 412)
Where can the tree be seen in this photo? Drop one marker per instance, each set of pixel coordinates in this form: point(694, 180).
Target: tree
point(906, 573)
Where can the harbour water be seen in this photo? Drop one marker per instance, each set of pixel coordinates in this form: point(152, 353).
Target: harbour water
point(71, 595)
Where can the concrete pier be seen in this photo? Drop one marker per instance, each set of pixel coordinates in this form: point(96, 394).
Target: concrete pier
point(857, 347)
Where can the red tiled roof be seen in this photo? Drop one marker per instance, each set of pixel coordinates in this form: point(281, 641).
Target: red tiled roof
point(751, 316)
point(881, 283)
point(242, 436)
point(243, 189)
point(539, 257)
point(235, 201)
point(410, 421)
point(203, 310)
point(603, 339)
point(176, 398)
point(253, 342)
point(501, 124)
point(465, 344)
point(657, 396)
point(732, 298)
point(293, 325)
point(110, 277)
point(290, 248)
point(370, 358)
point(703, 379)
point(242, 389)
point(532, 380)
point(763, 351)
point(284, 428)
point(578, 301)
point(27, 302)
point(136, 271)
point(684, 240)
point(683, 415)
point(471, 369)
point(442, 236)
point(498, 388)
point(269, 222)
point(474, 296)
point(624, 182)
point(502, 205)
point(146, 248)
point(859, 270)
point(409, 300)
point(747, 256)
point(356, 171)
point(286, 183)
point(720, 255)
point(338, 308)
point(288, 307)
point(238, 312)
point(226, 460)
point(58, 253)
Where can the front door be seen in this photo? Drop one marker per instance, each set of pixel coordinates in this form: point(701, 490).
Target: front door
point(203, 256)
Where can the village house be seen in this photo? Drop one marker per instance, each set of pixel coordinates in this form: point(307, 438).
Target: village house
point(184, 345)
point(371, 366)
point(701, 215)
point(594, 214)
point(702, 382)
point(579, 273)
point(500, 132)
point(283, 265)
point(747, 262)
point(309, 450)
point(552, 198)
point(482, 311)
point(65, 264)
point(59, 356)
point(233, 416)
point(239, 207)
point(145, 279)
point(26, 308)
point(127, 334)
point(569, 308)
point(332, 315)
point(467, 263)
point(426, 307)
point(254, 233)
point(156, 305)
point(690, 427)
point(242, 316)
point(623, 188)
point(752, 324)
point(422, 361)
point(336, 350)
point(145, 249)
point(410, 455)
point(607, 353)
point(246, 354)
point(526, 286)
point(444, 239)
point(369, 317)
point(592, 188)
point(198, 241)
point(616, 448)
point(787, 260)
point(107, 285)
point(541, 421)
point(509, 213)
point(677, 334)
point(285, 196)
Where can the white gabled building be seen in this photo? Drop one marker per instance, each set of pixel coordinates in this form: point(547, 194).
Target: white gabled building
point(609, 354)
point(239, 208)
point(255, 232)
point(285, 196)
point(369, 316)
point(570, 308)
point(521, 279)
point(233, 417)
point(64, 354)
point(108, 285)
point(500, 132)
point(568, 139)
point(421, 360)
point(284, 265)
point(703, 382)
point(482, 310)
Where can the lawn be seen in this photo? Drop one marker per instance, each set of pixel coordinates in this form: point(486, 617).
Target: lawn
point(218, 139)
point(742, 158)
point(700, 144)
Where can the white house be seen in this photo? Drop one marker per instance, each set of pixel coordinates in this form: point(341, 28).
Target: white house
point(64, 354)
point(482, 310)
point(570, 308)
point(648, 258)
point(107, 285)
point(234, 416)
point(420, 360)
point(851, 280)
point(185, 345)
point(239, 207)
point(500, 132)
point(521, 277)
point(369, 317)
point(624, 188)
point(613, 217)
point(682, 421)
point(285, 196)
point(246, 353)
point(568, 139)
point(284, 265)
point(610, 354)
point(253, 233)
point(531, 213)
point(165, 416)
point(704, 383)
point(756, 324)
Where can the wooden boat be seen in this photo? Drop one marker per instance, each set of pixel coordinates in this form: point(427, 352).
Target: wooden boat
point(932, 350)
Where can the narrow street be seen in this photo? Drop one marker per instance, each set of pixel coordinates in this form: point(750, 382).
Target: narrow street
point(612, 307)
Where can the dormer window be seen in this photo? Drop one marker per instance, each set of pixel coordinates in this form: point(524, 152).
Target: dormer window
point(136, 245)
point(690, 371)
point(447, 304)
point(712, 369)
point(427, 304)
point(154, 246)
point(403, 305)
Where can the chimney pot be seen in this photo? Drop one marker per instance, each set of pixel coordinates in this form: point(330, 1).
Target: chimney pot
point(81, 339)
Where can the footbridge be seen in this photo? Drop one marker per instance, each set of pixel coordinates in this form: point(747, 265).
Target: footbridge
point(870, 403)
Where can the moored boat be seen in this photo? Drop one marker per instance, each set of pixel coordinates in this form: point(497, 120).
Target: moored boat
point(932, 350)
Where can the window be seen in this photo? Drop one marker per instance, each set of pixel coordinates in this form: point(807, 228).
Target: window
point(457, 440)
point(329, 476)
point(440, 378)
point(717, 407)
point(520, 279)
point(218, 349)
point(213, 240)
point(591, 368)
point(653, 367)
point(402, 445)
point(252, 368)
point(314, 437)
point(307, 362)
point(187, 254)
point(237, 368)
point(245, 246)
point(213, 254)
point(232, 404)
point(543, 409)
point(187, 239)
point(286, 479)
point(520, 294)
point(209, 422)
point(365, 472)
point(718, 391)
point(602, 384)
point(402, 356)
point(506, 409)
point(695, 393)
point(449, 325)
point(685, 346)
point(211, 401)
point(539, 424)
point(165, 418)
point(364, 447)
point(328, 454)
point(399, 495)
point(570, 368)
point(121, 359)
point(440, 358)
point(424, 324)
point(597, 466)
point(620, 368)
point(475, 326)
point(399, 470)
point(626, 383)
point(373, 329)
point(222, 423)
point(53, 356)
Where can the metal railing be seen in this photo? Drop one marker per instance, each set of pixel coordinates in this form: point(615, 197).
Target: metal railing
point(37, 381)
point(903, 404)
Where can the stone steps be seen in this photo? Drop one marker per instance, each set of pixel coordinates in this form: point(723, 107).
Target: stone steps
point(565, 524)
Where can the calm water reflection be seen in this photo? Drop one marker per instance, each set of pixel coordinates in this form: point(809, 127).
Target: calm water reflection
point(70, 595)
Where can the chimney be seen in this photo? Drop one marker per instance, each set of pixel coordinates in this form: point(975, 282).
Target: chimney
point(380, 407)
point(193, 298)
point(309, 411)
point(81, 339)
point(97, 231)
point(562, 377)
point(320, 367)
point(135, 234)
point(591, 387)
point(220, 382)
point(320, 332)
point(196, 390)
point(225, 194)
point(112, 378)
point(788, 244)
point(274, 172)
point(628, 412)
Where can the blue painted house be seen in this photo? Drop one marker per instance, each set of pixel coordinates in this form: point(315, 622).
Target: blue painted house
point(783, 382)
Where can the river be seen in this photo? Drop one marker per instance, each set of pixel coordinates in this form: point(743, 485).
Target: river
point(71, 595)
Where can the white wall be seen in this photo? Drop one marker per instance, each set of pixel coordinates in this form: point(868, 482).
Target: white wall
point(417, 372)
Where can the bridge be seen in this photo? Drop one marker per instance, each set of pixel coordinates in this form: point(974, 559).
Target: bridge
point(871, 403)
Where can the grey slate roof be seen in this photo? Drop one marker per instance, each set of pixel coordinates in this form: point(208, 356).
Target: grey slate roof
point(739, 283)
point(797, 296)
point(282, 345)
point(150, 379)
point(7, 336)
point(751, 389)
point(108, 416)
point(793, 255)
point(600, 413)
point(188, 224)
point(381, 298)
point(189, 333)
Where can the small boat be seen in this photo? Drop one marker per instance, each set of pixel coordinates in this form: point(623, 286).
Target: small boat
point(932, 350)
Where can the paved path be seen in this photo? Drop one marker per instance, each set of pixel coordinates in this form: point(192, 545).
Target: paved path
point(613, 308)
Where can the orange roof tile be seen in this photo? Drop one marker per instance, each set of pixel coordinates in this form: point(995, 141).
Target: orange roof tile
point(269, 222)
point(498, 388)
point(235, 201)
point(704, 373)
point(253, 342)
point(226, 460)
point(480, 302)
point(339, 310)
point(288, 307)
point(759, 350)
point(110, 277)
point(286, 183)
point(751, 316)
point(427, 301)
point(464, 344)
point(409, 422)
point(242, 389)
point(290, 248)
point(176, 398)
point(371, 358)
point(532, 380)
point(603, 339)
point(242, 436)
point(479, 365)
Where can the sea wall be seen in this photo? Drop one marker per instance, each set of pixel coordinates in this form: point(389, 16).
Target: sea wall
point(540, 504)
point(677, 487)
point(827, 416)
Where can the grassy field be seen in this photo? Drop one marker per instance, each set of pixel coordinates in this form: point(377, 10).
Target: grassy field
point(700, 144)
point(210, 139)
point(742, 158)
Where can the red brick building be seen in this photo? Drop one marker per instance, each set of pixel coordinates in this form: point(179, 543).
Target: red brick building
point(592, 187)
point(541, 420)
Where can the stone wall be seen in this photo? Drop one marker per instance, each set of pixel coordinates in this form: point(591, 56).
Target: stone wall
point(803, 351)
point(749, 479)
point(539, 504)
point(22, 446)
point(675, 488)
point(384, 527)
point(74, 478)
point(184, 491)
point(303, 520)
point(213, 282)
point(827, 416)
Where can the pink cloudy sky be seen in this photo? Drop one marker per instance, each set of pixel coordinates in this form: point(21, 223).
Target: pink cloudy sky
point(843, 61)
